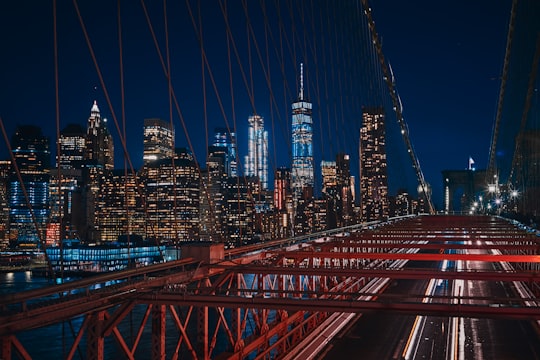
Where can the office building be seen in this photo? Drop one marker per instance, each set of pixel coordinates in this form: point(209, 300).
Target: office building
point(373, 165)
point(31, 196)
point(227, 139)
point(172, 188)
point(302, 175)
point(257, 158)
point(158, 140)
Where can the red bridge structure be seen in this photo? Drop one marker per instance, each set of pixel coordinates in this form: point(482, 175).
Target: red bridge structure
point(264, 300)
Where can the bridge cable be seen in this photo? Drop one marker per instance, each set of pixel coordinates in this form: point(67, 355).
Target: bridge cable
point(397, 107)
point(493, 149)
point(530, 91)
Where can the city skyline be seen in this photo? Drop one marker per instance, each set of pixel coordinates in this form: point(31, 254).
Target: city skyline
point(426, 123)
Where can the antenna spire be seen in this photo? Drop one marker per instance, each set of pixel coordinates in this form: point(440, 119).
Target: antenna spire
point(301, 81)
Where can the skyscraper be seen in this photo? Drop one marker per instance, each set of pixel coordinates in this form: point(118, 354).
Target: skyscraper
point(373, 167)
point(72, 146)
point(344, 206)
point(32, 158)
point(212, 194)
point(225, 138)
point(158, 140)
point(98, 158)
point(302, 143)
point(99, 142)
point(172, 198)
point(257, 158)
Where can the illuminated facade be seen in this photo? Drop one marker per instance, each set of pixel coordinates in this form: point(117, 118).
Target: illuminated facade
point(99, 142)
point(119, 206)
point(72, 143)
point(32, 156)
point(283, 201)
point(257, 158)
point(212, 194)
point(239, 210)
point(172, 198)
point(226, 139)
point(5, 170)
point(329, 191)
point(302, 144)
point(373, 166)
point(345, 193)
point(158, 140)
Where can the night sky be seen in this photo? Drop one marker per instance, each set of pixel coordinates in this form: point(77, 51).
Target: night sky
point(446, 56)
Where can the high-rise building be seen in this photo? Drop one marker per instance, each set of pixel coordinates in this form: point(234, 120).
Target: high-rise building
point(257, 158)
point(345, 203)
point(98, 159)
point(212, 194)
point(119, 206)
point(72, 143)
point(158, 140)
point(373, 166)
point(283, 201)
point(239, 210)
point(99, 142)
point(5, 171)
point(172, 188)
point(226, 139)
point(302, 144)
point(330, 192)
point(32, 158)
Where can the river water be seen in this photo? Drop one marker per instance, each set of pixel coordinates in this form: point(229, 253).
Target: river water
point(54, 342)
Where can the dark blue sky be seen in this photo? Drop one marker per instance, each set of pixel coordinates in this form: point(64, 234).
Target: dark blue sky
point(446, 56)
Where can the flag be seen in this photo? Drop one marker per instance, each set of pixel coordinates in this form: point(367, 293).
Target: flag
point(471, 162)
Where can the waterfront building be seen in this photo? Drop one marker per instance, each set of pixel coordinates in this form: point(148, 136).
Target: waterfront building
point(158, 140)
point(29, 199)
point(227, 139)
point(257, 158)
point(302, 175)
point(64, 203)
point(373, 165)
point(5, 171)
point(283, 202)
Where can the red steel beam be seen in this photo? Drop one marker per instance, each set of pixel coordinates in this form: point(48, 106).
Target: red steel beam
point(419, 274)
point(352, 306)
point(433, 246)
point(300, 255)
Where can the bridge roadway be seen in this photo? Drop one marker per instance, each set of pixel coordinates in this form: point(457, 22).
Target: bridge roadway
point(280, 292)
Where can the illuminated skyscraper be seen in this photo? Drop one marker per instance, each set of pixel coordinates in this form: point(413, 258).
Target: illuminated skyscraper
point(257, 158)
point(158, 140)
point(99, 142)
point(5, 170)
point(329, 191)
point(373, 167)
point(302, 144)
point(212, 194)
point(119, 206)
point(226, 139)
point(72, 146)
point(32, 156)
point(98, 158)
point(172, 198)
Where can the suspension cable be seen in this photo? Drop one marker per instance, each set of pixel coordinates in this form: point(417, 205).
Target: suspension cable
point(397, 106)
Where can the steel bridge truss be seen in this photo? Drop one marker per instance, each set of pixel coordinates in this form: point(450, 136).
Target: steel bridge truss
point(262, 304)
